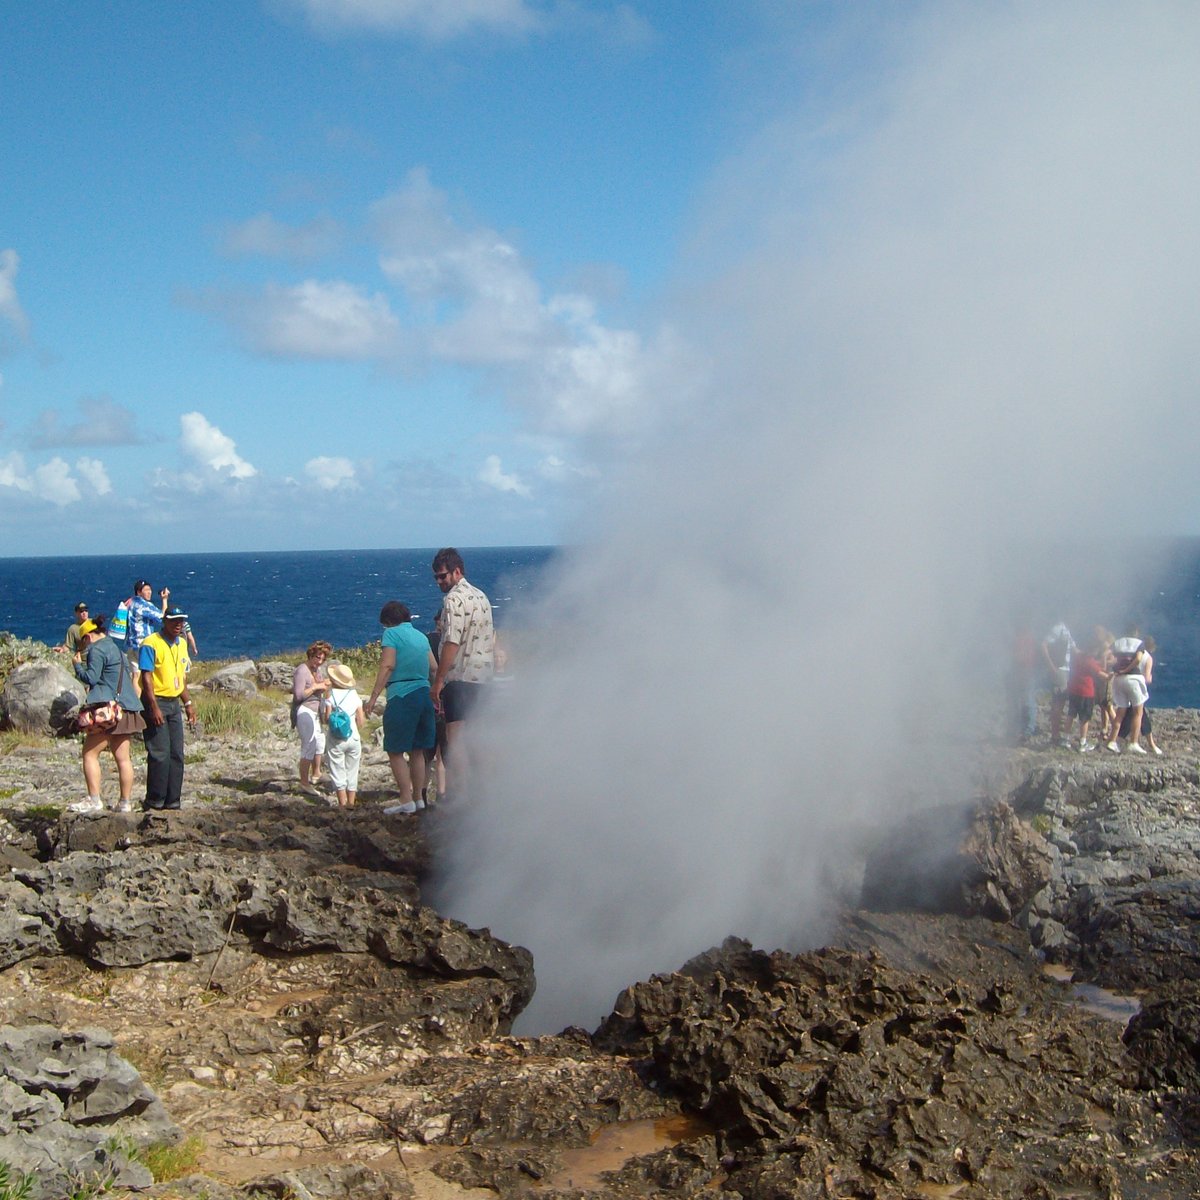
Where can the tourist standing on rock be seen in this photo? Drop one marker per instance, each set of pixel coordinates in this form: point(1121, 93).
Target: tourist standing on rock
point(143, 619)
point(100, 664)
point(71, 640)
point(344, 751)
point(1056, 653)
point(465, 665)
point(1086, 670)
point(406, 666)
point(164, 666)
point(310, 686)
point(1149, 646)
point(1129, 690)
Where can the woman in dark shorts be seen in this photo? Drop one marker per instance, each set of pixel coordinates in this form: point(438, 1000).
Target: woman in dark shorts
point(406, 667)
point(100, 664)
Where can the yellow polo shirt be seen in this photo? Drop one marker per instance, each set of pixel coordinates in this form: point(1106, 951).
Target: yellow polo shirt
point(167, 663)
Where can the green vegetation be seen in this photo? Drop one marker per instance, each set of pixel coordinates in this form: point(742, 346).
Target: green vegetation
point(166, 1162)
point(14, 1184)
point(43, 812)
point(238, 716)
point(14, 739)
point(1042, 823)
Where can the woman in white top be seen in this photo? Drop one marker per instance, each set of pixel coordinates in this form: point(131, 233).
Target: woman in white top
point(1129, 689)
point(343, 754)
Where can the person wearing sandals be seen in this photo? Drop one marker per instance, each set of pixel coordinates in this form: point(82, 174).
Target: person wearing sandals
point(343, 755)
point(99, 663)
point(309, 687)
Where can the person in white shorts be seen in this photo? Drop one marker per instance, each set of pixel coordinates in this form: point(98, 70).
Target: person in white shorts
point(343, 755)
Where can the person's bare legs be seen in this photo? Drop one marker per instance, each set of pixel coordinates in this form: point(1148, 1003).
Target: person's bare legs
point(1118, 717)
point(400, 773)
point(93, 743)
point(120, 751)
point(305, 772)
point(418, 769)
point(1135, 726)
point(316, 767)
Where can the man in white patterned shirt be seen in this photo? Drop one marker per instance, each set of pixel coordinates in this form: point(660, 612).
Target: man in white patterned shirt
point(466, 661)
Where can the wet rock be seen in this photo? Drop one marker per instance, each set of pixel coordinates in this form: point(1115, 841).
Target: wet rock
point(41, 697)
point(1164, 1039)
point(833, 1062)
point(966, 860)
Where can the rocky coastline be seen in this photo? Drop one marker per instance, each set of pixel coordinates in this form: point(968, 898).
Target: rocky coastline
point(255, 987)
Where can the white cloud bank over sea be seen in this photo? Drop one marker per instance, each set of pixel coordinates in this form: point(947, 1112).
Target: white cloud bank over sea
point(960, 316)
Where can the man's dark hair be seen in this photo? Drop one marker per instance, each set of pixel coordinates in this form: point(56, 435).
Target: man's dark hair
point(448, 559)
point(394, 613)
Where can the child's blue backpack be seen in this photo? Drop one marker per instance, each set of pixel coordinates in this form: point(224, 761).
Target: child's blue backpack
point(339, 722)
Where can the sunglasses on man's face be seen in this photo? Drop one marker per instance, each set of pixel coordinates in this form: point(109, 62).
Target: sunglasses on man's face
point(440, 575)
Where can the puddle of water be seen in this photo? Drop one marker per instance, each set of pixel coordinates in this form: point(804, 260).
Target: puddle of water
point(1112, 1006)
point(615, 1145)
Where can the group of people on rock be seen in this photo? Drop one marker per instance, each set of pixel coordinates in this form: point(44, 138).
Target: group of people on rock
point(147, 680)
point(1105, 679)
point(432, 686)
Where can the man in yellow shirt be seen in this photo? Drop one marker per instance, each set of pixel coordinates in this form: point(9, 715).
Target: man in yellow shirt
point(164, 663)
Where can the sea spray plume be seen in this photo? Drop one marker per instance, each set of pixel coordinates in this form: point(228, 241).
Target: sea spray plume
point(778, 637)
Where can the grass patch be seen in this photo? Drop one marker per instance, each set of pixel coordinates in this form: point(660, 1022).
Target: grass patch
point(237, 716)
point(14, 1184)
point(1042, 823)
point(166, 1162)
point(8, 793)
point(44, 812)
point(14, 739)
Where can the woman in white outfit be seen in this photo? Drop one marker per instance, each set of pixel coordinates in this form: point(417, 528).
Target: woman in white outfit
point(309, 686)
point(343, 755)
point(1129, 691)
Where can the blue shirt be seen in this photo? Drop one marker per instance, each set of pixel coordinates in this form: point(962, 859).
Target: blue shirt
point(144, 619)
point(412, 659)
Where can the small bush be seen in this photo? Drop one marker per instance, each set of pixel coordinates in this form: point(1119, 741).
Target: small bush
point(222, 715)
point(166, 1162)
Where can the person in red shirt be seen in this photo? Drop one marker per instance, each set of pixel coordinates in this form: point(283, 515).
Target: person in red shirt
point(1086, 670)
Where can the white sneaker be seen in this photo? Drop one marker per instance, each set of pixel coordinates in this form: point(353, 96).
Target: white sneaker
point(420, 803)
point(90, 804)
point(1156, 749)
point(1136, 749)
point(1084, 747)
point(124, 806)
point(1113, 747)
point(404, 809)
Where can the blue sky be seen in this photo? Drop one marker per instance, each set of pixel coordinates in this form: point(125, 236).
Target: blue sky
point(282, 274)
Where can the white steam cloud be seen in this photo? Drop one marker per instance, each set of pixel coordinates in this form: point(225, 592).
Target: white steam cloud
point(966, 323)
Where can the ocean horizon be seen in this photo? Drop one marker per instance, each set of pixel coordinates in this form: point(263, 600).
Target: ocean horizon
point(251, 604)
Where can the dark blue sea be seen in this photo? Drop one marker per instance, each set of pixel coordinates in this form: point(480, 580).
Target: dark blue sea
point(259, 604)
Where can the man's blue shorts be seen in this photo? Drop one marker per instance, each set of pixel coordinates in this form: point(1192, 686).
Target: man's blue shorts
point(408, 723)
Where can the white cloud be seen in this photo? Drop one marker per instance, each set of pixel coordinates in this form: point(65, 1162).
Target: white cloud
point(316, 320)
point(94, 474)
point(483, 307)
point(10, 307)
point(437, 20)
point(267, 237)
point(51, 482)
point(207, 446)
point(493, 476)
point(331, 473)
